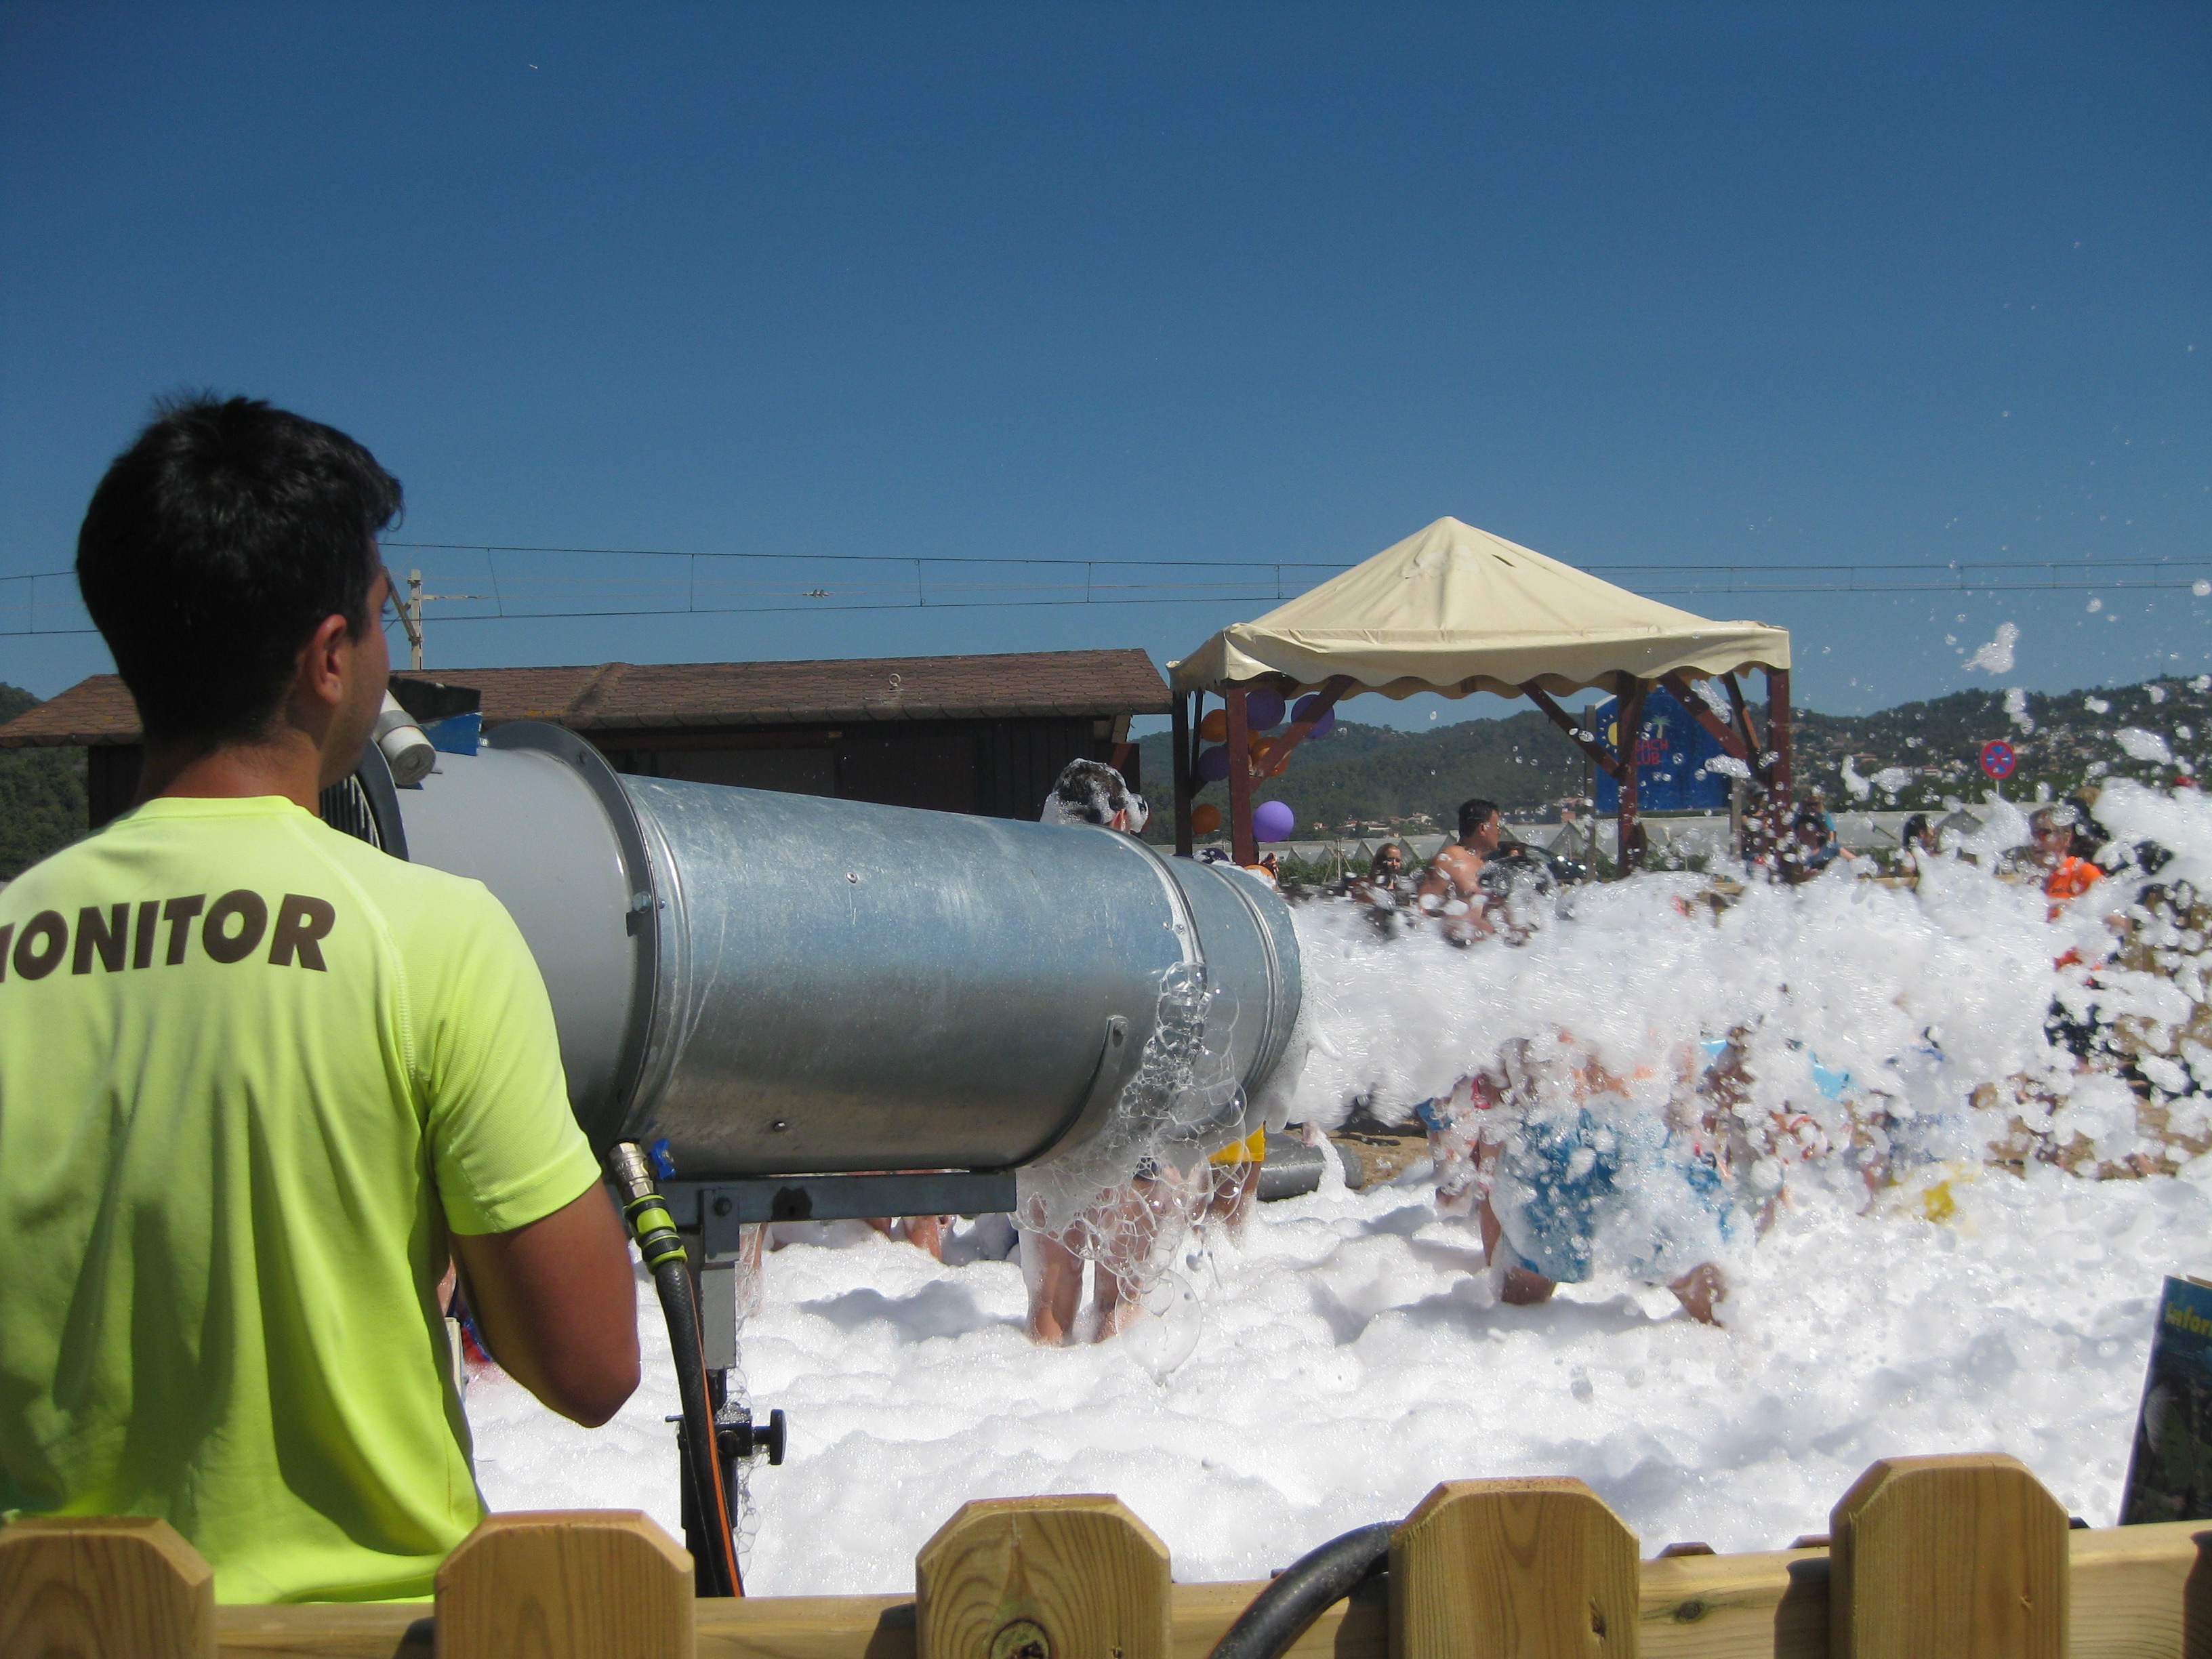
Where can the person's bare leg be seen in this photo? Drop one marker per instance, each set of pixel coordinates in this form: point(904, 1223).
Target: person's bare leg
point(1486, 1218)
point(1244, 1193)
point(1138, 1223)
point(925, 1232)
point(1701, 1290)
point(1520, 1287)
point(883, 1225)
point(1117, 1302)
point(1231, 1190)
point(752, 1276)
point(1524, 1289)
point(1054, 1274)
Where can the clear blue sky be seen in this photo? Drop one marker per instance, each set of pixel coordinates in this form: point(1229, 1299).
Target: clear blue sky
point(1678, 284)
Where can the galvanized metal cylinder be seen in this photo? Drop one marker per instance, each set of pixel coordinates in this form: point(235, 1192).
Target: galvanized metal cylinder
point(788, 984)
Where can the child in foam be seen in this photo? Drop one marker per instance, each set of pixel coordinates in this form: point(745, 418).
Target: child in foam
point(1120, 1226)
point(1573, 1176)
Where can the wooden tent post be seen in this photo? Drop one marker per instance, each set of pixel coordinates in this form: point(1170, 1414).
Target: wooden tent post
point(1629, 712)
point(1730, 740)
point(1243, 846)
point(1179, 761)
point(1577, 731)
point(1742, 710)
point(1777, 727)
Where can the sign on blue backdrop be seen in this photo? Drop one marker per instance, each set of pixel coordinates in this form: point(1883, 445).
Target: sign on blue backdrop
point(1672, 752)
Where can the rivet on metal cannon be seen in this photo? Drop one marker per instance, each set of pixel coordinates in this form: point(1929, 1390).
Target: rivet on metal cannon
point(807, 1008)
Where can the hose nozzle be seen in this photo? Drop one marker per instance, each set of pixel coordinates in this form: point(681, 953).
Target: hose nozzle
point(631, 1172)
point(650, 1223)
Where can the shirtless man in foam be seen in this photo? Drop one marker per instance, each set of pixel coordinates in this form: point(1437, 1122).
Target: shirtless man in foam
point(1451, 887)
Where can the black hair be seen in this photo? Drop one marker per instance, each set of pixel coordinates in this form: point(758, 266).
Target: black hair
point(1091, 791)
point(1473, 814)
point(1915, 827)
point(214, 545)
point(2089, 835)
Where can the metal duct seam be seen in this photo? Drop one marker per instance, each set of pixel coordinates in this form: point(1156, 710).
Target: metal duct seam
point(643, 920)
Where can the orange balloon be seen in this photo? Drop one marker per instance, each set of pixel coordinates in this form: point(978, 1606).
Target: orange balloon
point(1205, 820)
point(1214, 728)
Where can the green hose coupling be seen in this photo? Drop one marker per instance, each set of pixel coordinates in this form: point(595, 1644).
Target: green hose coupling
point(650, 1223)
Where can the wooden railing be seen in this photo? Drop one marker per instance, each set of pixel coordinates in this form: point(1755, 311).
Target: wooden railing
point(1928, 1558)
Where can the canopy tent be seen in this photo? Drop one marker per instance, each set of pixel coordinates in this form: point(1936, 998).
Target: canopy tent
point(1453, 610)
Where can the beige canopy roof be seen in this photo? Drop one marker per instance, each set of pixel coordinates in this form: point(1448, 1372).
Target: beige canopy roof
point(1454, 609)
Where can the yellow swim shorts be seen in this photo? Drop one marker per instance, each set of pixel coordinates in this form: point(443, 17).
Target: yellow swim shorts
point(1252, 1149)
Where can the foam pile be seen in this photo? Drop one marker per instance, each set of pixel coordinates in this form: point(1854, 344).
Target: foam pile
point(1349, 1360)
point(1884, 1051)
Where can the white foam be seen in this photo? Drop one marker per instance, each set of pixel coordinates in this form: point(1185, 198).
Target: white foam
point(1348, 1362)
point(1349, 1353)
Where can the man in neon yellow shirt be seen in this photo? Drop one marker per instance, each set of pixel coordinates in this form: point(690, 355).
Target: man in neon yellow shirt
point(258, 1080)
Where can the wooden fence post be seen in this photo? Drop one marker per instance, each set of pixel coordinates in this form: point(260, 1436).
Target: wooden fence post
point(1042, 1579)
point(1948, 1558)
point(566, 1584)
point(120, 1588)
point(1536, 1569)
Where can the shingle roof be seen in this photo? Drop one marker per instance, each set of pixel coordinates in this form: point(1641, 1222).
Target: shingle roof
point(618, 695)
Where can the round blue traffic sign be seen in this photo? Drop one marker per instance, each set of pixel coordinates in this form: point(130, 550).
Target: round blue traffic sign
point(1998, 759)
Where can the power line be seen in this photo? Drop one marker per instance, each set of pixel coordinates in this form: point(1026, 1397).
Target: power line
point(573, 598)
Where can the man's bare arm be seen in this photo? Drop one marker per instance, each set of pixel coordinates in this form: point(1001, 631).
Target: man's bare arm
point(555, 1302)
point(1454, 872)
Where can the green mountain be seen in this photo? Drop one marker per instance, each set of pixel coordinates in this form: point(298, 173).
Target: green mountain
point(1374, 774)
point(1913, 756)
point(2061, 740)
point(41, 795)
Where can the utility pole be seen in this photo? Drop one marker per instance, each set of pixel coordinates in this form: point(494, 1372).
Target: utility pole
point(411, 616)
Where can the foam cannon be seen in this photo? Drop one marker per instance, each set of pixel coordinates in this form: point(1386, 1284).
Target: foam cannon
point(817, 1009)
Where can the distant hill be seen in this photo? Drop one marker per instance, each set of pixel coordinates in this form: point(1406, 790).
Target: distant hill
point(41, 795)
point(1378, 773)
point(1912, 756)
point(2062, 740)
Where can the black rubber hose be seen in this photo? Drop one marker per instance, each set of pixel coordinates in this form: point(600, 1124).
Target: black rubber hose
point(662, 1249)
point(672, 1279)
point(1304, 1590)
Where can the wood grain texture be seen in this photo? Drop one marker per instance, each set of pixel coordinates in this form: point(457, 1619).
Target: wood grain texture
point(1770, 1606)
point(1949, 1558)
point(566, 1585)
point(2132, 1591)
point(369, 1630)
point(1535, 1569)
point(1356, 1628)
point(2136, 1593)
point(1042, 1579)
point(807, 1628)
point(122, 1587)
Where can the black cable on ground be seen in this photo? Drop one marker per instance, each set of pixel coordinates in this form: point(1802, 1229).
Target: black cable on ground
point(1304, 1590)
point(662, 1248)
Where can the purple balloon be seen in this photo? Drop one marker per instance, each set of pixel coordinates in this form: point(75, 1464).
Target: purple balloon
point(1213, 763)
point(1322, 726)
point(1273, 820)
point(1263, 710)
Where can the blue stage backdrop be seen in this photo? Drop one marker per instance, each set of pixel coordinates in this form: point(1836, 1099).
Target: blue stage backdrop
point(1671, 754)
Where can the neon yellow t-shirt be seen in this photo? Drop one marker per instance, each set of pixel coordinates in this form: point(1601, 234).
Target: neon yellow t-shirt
point(251, 1070)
